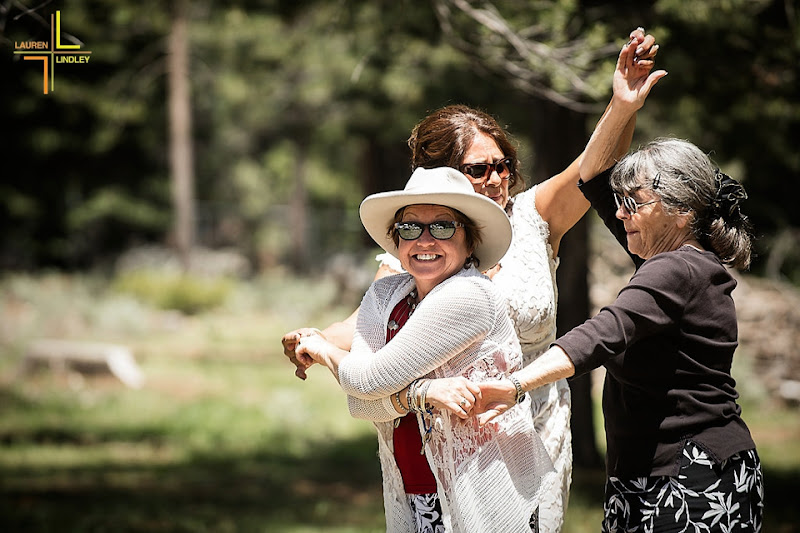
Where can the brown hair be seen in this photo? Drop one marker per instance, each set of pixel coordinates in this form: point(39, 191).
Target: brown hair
point(443, 137)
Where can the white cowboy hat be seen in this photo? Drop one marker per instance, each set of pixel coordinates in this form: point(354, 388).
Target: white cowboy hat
point(440, 186)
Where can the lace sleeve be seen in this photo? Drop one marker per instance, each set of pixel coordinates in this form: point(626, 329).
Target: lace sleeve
point(436, 332)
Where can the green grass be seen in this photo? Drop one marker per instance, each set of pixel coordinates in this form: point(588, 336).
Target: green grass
point(222, 437)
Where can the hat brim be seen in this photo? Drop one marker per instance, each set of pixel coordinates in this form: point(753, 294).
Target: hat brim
point(378, 210)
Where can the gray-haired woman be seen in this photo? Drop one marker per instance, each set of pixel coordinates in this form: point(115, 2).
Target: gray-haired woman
point(679, 455)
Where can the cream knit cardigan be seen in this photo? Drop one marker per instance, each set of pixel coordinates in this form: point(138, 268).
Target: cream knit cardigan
point(488, 478)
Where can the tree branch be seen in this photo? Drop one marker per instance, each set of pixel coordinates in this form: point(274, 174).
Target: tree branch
point(523, 57)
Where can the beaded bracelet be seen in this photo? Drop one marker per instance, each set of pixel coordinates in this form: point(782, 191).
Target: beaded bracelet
point(518, 387)
point(405, 409)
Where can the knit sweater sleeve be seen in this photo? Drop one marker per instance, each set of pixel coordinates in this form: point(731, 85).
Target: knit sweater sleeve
point(454, 315)
point(653, 300)
point(369, 336)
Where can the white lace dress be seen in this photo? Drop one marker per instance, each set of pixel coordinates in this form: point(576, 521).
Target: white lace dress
point(527, 280)
point(488, 478)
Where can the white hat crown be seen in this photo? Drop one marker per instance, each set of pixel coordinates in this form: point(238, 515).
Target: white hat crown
point(447, 187)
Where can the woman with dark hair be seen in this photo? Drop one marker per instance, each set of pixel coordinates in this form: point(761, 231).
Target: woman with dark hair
point(473, 142)
point(679, 456)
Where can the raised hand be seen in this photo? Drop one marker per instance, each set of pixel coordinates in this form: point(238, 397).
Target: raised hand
point(646, 47)
point(633, 77)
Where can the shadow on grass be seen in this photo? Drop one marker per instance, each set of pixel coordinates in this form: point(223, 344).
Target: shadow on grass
point(781, 488)
point(338, 485)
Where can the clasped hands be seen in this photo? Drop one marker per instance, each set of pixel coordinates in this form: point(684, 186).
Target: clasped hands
point(458, 395)
point(485, 400)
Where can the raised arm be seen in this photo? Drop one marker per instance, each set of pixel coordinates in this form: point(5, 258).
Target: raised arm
point(558, 200)
point(632, 83)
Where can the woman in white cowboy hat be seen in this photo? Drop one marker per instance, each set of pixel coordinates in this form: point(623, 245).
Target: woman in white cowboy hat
point(442, 318)
point(474, 142)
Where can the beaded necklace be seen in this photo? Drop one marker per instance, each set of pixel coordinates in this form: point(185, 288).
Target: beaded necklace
point(400, 314)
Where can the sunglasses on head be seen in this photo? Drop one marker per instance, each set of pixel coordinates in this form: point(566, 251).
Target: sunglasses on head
point(480, 172)
point(441, 230)
point(630, 205)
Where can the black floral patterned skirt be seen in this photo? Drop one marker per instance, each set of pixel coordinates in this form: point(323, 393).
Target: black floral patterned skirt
point(705, 496)
point(427, 510)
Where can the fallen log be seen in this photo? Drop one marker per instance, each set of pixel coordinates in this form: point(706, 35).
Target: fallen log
point(85, 358)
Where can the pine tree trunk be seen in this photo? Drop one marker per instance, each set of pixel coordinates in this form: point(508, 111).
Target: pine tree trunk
point(180, 136)
point(298, 210)
point(556, 146)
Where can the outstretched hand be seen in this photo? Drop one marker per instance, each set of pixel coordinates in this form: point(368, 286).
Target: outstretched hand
point(290, 342)
point(634, 77)
point(496, 398)
point(316, 349)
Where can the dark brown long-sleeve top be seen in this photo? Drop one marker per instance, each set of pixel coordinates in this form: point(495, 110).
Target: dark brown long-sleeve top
point(667, 343)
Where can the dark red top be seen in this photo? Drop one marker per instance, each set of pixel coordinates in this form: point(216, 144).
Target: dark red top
point(414, 468)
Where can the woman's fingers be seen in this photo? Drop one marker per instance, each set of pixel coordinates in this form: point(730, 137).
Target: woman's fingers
point(648, 48)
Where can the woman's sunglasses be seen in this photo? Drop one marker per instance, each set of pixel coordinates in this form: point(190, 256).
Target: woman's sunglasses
point(480, 172)
point(441, 230)
point(631, 206)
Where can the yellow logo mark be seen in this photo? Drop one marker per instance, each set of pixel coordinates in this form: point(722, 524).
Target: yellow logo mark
point(52, 52)
point(60, 46)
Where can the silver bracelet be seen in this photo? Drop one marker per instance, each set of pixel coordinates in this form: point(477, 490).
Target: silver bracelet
point(410, 395)
point(419, 395)
point(518, 386)
point(423, 401)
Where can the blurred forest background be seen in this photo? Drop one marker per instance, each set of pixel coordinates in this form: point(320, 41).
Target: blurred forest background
point(191, 192)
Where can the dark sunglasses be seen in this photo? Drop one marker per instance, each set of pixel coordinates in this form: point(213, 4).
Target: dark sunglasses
point(441, 230)
point(631, 206)
point(480, 172)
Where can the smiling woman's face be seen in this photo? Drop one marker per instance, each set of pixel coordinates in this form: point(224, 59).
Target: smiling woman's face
point(431, 261)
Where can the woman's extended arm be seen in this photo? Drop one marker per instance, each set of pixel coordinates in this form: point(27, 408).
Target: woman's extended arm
point(340, 334)
point(558, 199)
point(645, 307)
point(498, 396)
